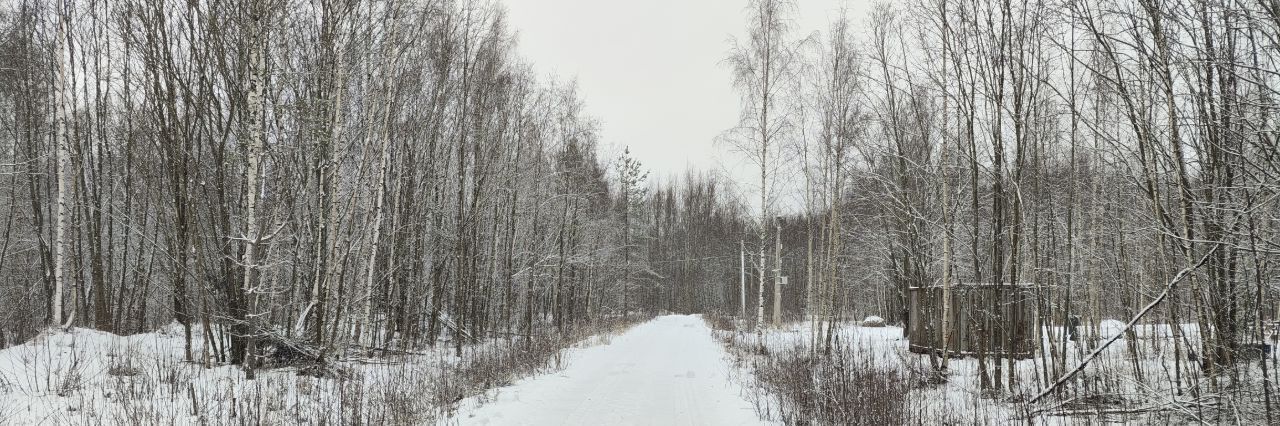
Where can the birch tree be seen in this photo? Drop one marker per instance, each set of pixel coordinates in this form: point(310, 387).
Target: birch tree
point(763, 67)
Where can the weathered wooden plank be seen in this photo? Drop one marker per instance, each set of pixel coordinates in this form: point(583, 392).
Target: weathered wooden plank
point(975, 309)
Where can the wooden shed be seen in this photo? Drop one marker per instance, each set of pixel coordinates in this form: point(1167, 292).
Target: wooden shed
point(1001, 315)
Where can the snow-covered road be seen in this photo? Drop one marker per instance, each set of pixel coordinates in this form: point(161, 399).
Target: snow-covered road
point(669, 371)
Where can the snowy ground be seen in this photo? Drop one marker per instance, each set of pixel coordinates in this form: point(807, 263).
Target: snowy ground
point(956, 402)
point(82, 376)
point(669, 371)
point(1121, 386)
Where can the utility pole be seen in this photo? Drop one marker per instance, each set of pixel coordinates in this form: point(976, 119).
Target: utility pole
point(777, 273)
point(742, 278)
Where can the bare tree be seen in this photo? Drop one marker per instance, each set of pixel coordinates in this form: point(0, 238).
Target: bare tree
point(764, 66)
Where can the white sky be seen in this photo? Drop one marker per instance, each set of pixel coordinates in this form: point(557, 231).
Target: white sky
point(652, 71)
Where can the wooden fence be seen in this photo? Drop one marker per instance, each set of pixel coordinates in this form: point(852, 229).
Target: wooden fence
point(999, 317)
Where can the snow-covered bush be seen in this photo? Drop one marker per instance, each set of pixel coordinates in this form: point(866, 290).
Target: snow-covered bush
point(873, 321)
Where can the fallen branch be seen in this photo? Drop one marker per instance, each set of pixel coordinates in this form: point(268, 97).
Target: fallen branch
point(448, 323)
point(1201, 403)
point(1164, 294)
point(387, 350)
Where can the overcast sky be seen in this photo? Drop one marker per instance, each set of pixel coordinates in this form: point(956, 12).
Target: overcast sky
point(652, 71)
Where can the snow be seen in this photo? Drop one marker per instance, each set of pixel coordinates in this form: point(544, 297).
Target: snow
point(1110, 327)
point(669, 371)
point(82, 376)
point(961, 401)
point(873, 321)
point(65, 375)
point(958, 401)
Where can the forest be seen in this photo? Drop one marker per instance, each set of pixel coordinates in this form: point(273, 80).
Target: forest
point(345, 172)
point(328, 182)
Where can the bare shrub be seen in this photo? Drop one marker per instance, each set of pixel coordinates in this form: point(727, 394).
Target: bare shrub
point(721, 322)
point(71, 378)
point(845, 387)
point(322, 370)
point(123, 370)
point(69, 382)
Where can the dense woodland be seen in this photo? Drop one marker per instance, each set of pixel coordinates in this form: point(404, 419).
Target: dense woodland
point(394, 174)
point(385, 174)
point(1121, 156)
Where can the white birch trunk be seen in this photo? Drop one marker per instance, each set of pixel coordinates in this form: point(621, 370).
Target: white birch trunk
point(367, 314)
point(61, 143)
point(760, 300)
point(254, 112)
point(777, 276)
point(329, 226)
point(742, 278)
